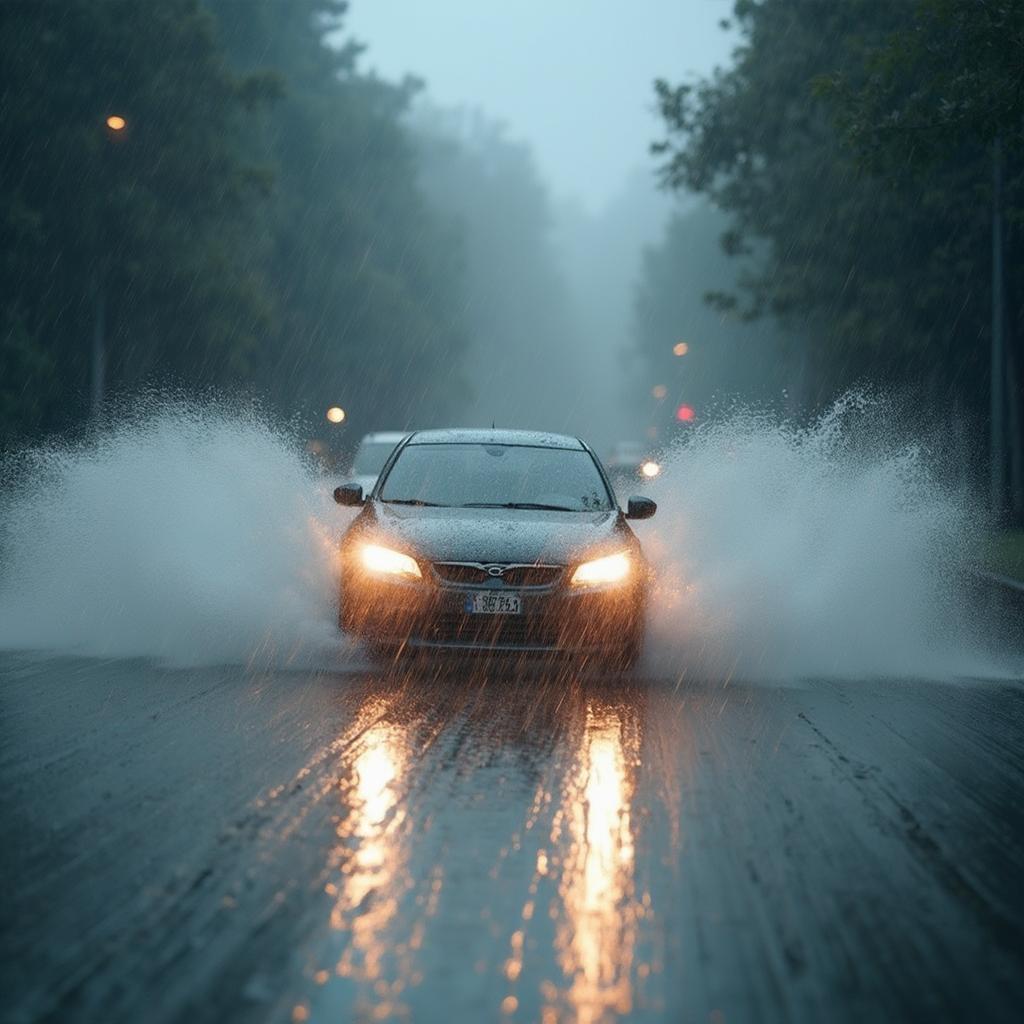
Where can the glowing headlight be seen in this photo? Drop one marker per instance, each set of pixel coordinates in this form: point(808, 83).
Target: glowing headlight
point(388, 562)
point(650, 469)
point(610, 569)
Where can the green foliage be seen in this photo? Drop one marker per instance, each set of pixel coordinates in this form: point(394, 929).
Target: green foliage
point(365, 278)
point(1004, 554)
point(25, 369)
point(885, 275)
point(727, 357)
point(152, 216)
point(257, 223)
point(955, 74)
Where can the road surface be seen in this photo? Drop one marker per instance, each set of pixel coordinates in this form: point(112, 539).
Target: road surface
point(239, 844)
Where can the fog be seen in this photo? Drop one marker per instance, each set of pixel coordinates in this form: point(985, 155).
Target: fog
point(557, 102)
point(572, 79)
point(731, 732)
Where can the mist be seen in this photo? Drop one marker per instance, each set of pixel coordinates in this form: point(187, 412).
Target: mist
point(315, 707)
point(195, 534)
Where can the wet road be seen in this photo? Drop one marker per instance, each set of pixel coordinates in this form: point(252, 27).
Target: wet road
point(243, 845)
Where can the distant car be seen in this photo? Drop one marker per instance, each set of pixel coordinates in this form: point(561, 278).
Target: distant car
point(630, 462)
point(494, 540)
point(372, 453)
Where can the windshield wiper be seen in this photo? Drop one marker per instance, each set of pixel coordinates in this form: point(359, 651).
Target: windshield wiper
point(520, 504)
point(412, 501)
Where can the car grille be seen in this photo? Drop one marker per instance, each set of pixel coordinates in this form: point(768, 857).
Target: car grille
point(487, 630)
point(514, 575)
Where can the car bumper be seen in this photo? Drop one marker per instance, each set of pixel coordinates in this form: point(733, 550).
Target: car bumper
point(560, 620)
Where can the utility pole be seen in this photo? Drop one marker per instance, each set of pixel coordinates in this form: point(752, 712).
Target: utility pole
point(116, 127)
point(99, 345)
point(997, 453)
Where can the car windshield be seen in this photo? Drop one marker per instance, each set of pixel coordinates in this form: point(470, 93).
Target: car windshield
point(371, 456)
point(496, 475)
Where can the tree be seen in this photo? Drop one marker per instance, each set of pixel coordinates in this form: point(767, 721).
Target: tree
point(366, 278)
point(954, 74)
point(944, 91)
point(724, 357)
point(883, 276)
point(256, 223)
point(148, 220)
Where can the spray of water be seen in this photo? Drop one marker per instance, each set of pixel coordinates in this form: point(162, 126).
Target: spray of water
point(198, 533)
point(183, 532)
point(829, 550)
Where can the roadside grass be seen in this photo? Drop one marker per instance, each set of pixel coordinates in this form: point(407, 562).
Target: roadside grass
point(1004, 554)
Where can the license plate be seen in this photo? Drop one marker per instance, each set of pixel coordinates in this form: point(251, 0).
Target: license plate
point(494, 604)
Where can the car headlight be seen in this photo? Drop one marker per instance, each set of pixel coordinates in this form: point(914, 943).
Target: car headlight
point(610, 569)
point(386, 562)
point(650, 469)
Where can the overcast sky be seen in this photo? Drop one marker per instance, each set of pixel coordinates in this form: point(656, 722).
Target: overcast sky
point(571, 77)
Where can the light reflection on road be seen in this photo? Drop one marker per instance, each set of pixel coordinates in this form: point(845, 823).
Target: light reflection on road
point(368, 868)
point(598, 912)
point(373, 864)
point(565, 846)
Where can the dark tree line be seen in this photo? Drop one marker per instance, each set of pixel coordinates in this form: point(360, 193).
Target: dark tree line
point(852, 146)
point(724, 357)
point(256, 222)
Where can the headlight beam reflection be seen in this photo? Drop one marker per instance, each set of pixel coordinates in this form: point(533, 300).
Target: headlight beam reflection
point(373, 958)
point(597, 924)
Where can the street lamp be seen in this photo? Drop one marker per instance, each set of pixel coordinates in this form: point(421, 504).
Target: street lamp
point(335, 414)
point(116, 132)
point(997, 451)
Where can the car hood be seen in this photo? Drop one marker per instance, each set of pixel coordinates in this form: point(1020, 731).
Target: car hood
point(496, 535)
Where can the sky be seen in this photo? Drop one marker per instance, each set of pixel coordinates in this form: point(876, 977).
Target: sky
point(573, 78)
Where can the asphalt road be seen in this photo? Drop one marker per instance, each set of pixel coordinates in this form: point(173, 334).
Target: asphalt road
point(234, 844)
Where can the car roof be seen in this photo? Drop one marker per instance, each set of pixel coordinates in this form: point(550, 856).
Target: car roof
point(526, 438)
point(384, 437)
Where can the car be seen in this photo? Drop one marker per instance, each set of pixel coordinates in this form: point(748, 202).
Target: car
point(495, 541)
point(372, 453)
point(631, 461)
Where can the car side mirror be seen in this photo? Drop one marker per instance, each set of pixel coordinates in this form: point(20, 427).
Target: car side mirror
point(640, 508)
point(349, 494)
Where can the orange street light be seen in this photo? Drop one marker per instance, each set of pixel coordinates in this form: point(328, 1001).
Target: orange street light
point(116, 126)
point(659, 391)
point(336, 414)
point(681, 348)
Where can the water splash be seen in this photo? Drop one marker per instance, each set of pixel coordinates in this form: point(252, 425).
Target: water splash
point(191, 533)
point(198, 533)
point(835, 549)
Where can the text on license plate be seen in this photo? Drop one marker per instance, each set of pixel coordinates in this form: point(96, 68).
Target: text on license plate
point(494, 604)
